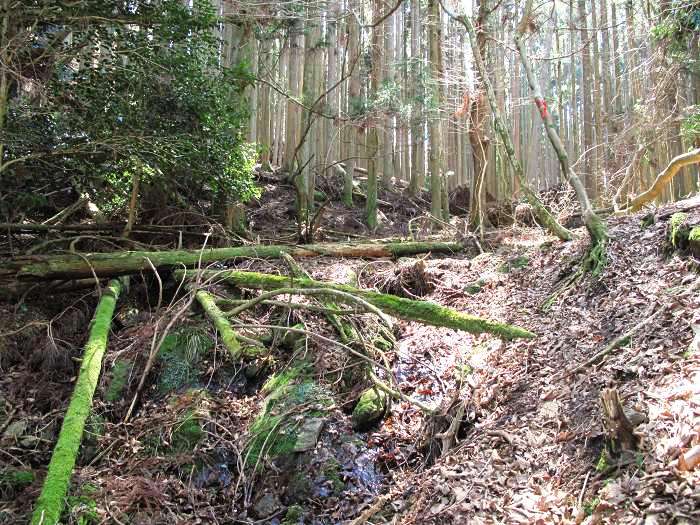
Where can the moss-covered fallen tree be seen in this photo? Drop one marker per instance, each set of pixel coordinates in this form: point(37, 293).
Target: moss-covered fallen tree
point(229, 337)
point(53, 494)
point(411, 310)
point(82, 265)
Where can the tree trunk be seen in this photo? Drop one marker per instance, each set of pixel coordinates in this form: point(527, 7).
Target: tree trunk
point(120, 263)
point(373, 133)
point(411, 310)
point(586, 89)
point(478, 136)
point(55, 489)
point(434, 37)
point(417, 168)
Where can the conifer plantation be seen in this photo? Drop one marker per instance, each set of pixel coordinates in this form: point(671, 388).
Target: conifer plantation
point(349, 262)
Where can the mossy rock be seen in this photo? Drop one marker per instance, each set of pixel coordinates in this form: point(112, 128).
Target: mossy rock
point(179, 357)
point(683, 235)
point(293, 399)
point(294, 515)
point(119, 377)
point(694, 241)
point(371, 407)
point(678, 230)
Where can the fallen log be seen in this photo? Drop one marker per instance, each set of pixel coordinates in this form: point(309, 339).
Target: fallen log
point(53, 493)
point(228, 336)
point(81, 265)
point(407, 309)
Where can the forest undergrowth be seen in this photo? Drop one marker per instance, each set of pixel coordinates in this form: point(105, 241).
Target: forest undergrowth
point(298, 434)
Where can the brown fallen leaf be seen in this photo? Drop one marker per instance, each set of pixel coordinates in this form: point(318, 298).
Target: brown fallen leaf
point(690, 459)
point(564, 436)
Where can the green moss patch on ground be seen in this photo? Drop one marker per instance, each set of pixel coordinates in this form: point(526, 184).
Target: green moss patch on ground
point(179, 356)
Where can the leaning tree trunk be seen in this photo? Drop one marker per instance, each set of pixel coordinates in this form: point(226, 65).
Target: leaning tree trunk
point(595, 226)
point(53, 493)
point(543, 215)
point(407, 309)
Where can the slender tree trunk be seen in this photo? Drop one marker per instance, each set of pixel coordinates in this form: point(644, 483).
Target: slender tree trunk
point(373, 133)
point(542, 214)
point(599, 141)
point(434, 38)
point(586, 95)
point(388, 76)
point(417, 173)
point(354, 100)
point(595, 226)
point(575, 150)
point(294, 74)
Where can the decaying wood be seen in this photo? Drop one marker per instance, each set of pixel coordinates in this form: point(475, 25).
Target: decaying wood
point(617, 426)
point(412, 310)
point(79, 265)
point(53, 494)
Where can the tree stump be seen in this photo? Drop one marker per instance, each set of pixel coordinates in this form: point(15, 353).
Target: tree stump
point(617, 426)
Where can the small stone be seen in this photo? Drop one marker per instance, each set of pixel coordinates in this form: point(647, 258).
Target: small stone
point(267, 505)
point(308, 434)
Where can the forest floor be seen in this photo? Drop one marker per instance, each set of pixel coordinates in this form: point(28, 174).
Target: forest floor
point(530, 449)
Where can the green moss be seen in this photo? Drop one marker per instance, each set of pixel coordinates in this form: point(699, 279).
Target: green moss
point(15, 480)
point(331, 471)
point(602, 464)
point(678, 229)
point(694, 235)
point(284, 378)
point(187, 433)
point(647, 221)
point(370, 408)
point(590, 506)
point(475, 287)
point(83, 507)
point(294, 515)
point(517, 263)
point(179, 356)
point(120, 376)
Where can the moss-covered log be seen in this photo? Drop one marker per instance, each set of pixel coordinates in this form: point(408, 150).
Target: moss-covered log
point(228, 336)
point(75, 266)
point(421, 311)
point(53, 494)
